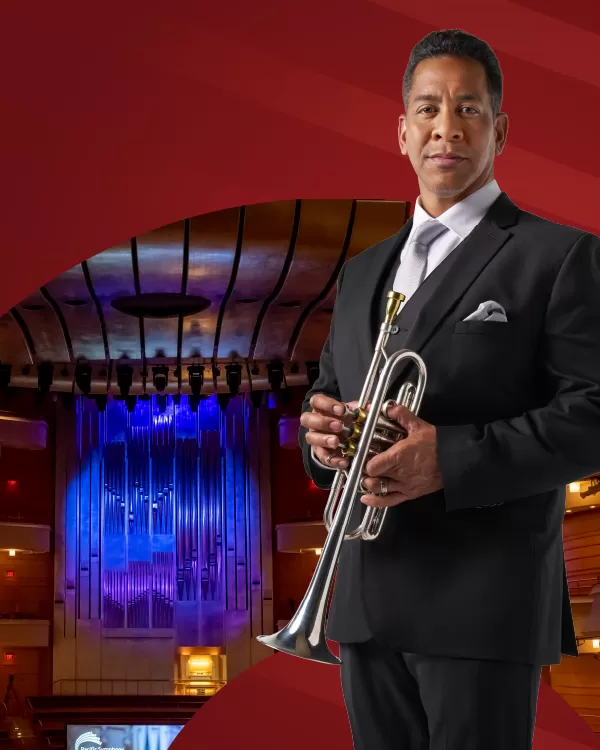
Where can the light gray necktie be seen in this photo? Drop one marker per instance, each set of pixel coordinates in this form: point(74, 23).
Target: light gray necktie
point(413, 264)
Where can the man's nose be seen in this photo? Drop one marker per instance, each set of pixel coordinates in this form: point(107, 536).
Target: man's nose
point(447, 126)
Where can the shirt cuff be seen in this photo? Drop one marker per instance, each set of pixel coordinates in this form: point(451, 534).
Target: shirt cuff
point(319, 462)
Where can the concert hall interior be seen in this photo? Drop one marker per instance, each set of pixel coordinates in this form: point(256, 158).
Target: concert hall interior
point(155, 515)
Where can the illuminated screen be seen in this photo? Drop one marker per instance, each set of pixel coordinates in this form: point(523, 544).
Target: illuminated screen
point(121, 737)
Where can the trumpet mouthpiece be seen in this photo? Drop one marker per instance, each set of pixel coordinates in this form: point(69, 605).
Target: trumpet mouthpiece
point(394, 300)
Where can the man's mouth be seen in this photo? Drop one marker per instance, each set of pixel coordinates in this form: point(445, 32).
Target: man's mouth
point(446, 160)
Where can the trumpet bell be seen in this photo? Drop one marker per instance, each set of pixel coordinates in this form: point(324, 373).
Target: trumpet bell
point(297, 644)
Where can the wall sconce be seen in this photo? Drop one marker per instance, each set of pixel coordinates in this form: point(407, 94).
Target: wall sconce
point(12, 552)
point(575, 487)
point(595, 643)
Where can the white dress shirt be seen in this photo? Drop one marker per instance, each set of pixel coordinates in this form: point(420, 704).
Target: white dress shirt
point(460, 220)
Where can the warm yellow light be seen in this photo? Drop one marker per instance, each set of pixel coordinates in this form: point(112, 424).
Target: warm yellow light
point(318, 551)
point(12, 552)
point(596, 643)
point(592, 506)
point(568, 510)
point(200, 662)
point(574, 487)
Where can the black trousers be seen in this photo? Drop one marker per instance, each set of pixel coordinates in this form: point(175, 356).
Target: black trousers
point(402, 701)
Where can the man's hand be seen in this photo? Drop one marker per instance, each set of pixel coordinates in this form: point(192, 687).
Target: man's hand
point(324, 424)
point(410, 467)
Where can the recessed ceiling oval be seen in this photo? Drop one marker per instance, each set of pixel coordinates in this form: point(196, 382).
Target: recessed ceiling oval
point(161, 305)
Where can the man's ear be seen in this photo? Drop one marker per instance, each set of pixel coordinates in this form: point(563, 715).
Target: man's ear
point(402, 134)
point(501, 128)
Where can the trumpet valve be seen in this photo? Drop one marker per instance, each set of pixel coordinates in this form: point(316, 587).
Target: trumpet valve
point(349, 449)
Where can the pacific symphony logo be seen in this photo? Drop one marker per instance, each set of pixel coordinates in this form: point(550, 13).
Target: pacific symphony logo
point(91, 741)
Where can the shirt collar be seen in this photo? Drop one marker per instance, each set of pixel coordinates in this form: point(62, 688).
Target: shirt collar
point(463, 217)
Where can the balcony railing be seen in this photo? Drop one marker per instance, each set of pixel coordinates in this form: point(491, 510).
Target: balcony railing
point(197, 686)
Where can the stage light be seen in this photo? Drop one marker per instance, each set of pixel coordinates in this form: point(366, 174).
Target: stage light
point(124, 379)
point(196, 378)
point(194, 402)
point(234, 377)
point(83, 378)
point(101, 402)
point(223, 400)
point(5, 371)
point(130, 403)
point(160, 377)
point(45, 377)
point(275, 375)
point(312, 371)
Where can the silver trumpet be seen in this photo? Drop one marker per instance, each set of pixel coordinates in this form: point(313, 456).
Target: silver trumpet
point(370, 432)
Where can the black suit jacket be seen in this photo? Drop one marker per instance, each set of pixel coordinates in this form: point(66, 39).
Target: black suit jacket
point(476, 570)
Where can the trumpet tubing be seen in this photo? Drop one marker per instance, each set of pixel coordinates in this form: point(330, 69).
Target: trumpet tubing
point(370, 432)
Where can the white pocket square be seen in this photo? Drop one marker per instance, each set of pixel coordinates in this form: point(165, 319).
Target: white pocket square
point(489, 311)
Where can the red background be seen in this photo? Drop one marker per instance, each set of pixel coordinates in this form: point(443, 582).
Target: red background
point(122, 117)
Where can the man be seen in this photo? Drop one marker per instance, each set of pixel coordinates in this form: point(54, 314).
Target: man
point(445, 620)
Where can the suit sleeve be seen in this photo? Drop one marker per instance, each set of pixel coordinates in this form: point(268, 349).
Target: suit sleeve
point(551, 446)
point(326, 384)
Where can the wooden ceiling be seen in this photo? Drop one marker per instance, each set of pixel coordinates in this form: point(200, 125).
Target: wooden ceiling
point(267, 273)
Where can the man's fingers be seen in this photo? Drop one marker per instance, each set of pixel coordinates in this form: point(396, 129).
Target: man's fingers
point(337, 461)
point(373, 484)
point(403, 417)
point(326, 404)
point(385, 461)
point(322, 440)
point(394, 498)
point(320, 422)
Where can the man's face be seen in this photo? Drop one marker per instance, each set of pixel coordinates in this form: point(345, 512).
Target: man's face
point(449, 132)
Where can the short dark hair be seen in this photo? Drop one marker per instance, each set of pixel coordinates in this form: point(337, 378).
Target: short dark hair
point(456, 43)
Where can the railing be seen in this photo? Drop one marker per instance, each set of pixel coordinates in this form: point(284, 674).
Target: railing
point(136, 687)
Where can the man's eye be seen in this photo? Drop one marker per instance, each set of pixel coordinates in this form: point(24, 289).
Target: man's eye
point(470, 110)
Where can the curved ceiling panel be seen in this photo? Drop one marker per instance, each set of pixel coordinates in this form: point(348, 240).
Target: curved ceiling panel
point(48, 333)
point(265, 253)
point(373, 221)
point(318, 253)
point(71, 294)
point(263, 279)
point(111, 275)
point(213, 241)
point(13, 346)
